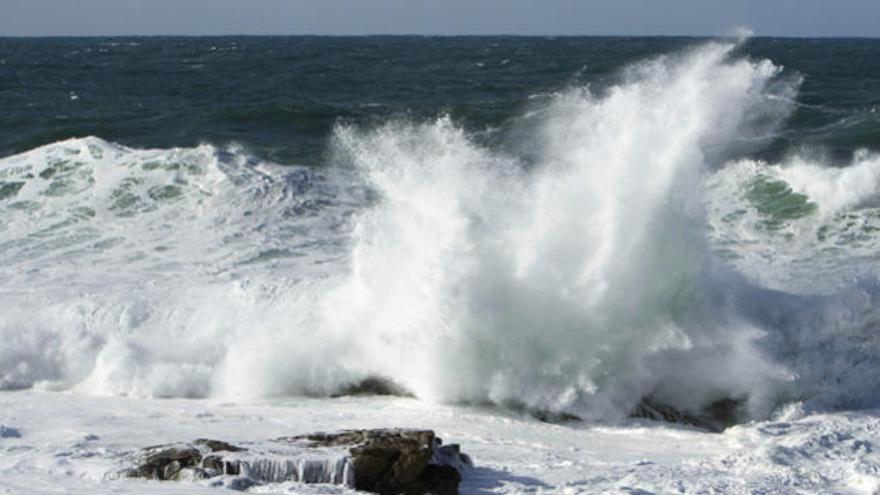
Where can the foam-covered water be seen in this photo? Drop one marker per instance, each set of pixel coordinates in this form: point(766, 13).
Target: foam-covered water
point(801, 225)
point(116, 261)
point(628, 245)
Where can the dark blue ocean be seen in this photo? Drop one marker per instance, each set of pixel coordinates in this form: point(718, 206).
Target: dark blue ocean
point(281, 96)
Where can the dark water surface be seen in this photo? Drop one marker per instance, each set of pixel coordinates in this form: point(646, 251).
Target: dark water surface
point(281, 96)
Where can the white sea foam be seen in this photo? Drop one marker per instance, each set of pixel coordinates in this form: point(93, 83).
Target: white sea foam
point(580, 279)
point(134, 271)
point(802, 225)
point(569, 284)
point(835, 189)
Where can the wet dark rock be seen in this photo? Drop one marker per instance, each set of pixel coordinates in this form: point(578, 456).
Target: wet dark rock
point(392, 461)
point(383, 461)
point(555, 417)
point(165, 463)
point(543, 415)
point(437, 480)
point(726, 412)
point(451, 455)
point(9, 432)
point(241, 484)
point(217, 445)
point(184, 461)
point(374, 386)
point(218, 465)
point(715, 418)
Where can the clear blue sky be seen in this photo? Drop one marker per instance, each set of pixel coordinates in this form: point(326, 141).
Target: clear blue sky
point(543, 17)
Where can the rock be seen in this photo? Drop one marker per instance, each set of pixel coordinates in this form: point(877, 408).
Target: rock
point(9, 432)
point(241, 484)
point(185, 461)
point(451, 455)
point(383, 461)
point(193, 474)
point(437, 480)
point(541, 414)
point(715, 418)
point(217, 465)
point(725, 412)
point(392, 461)
point(555, 417)
point(217, 445)
point(374, 386)
point(165, 463)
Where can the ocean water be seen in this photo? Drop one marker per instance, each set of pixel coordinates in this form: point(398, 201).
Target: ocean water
point(557, 224)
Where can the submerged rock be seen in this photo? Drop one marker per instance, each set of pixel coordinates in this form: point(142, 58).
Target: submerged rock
point(726, 412)
point(217, 445)
point(9, 432)
point(541, 414)
point(373, 386)
point(715, 418)
point(547, 416)
point(384, 461)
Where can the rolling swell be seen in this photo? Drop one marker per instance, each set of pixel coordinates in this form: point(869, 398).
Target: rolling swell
point(621, 260)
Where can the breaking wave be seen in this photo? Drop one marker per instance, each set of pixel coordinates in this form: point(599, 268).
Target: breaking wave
point(635, 250)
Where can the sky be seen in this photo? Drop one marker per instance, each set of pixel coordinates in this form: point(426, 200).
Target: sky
point(452, 17)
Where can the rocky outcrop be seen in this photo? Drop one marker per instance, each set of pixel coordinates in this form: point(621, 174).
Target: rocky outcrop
point(200, 460)
point(383, 461)
point(391, 462)
point(373, 386)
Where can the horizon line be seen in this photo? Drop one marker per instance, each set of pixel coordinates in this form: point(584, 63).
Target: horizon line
point(420, 35)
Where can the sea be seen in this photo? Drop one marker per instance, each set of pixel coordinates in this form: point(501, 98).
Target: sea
point(504, 230)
